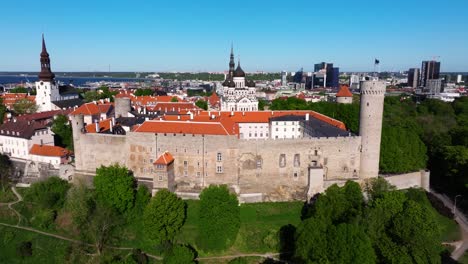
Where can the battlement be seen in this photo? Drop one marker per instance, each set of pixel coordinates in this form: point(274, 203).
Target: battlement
point(373, 88)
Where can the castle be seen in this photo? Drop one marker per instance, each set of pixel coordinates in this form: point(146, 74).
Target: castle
point(261, 155)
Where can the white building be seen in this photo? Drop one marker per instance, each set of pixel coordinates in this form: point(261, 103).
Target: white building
point(51, 96)
point(286, 127)
point(238, 94)
point(52, 155)
point(17, 138)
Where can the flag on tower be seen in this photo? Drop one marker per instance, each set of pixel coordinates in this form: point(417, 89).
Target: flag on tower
point(377, 61)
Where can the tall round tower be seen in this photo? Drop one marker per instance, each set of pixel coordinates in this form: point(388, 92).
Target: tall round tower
point(370, 126)
point(77, 123)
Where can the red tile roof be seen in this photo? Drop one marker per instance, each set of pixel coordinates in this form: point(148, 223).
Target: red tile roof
point(186, 127)
point(344, 92)
point(176, 107)
point(104, 125)
point(50, 151)
point(214, 100)
point(9, 99)
point(43, 115)
point(92, 109)
point(165, 159)
point(147, 100)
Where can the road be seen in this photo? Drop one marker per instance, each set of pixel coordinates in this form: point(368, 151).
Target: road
point(462, 221)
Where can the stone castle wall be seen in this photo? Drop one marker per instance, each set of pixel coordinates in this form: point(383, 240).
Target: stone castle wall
point(278, 169)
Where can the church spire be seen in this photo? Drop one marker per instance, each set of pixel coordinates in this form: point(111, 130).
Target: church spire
point(231, 61)
point(46, 73)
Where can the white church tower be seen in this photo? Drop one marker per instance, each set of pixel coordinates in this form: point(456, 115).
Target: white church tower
point(370, 126)
point(47, 90)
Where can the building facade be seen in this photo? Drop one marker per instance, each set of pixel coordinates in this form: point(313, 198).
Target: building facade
point(238, 93)
point(429, 70)
point(413, 77)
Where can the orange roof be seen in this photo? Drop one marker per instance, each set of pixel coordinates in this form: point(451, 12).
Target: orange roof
point(264, 116)
point(9, 99)
point(92, 109)
point(146, 100)
point(344, 92)
point(50, 151)
point(186, 127)
point(165, 159)
point(214, 100)
point(104, 125)
point(166, 106)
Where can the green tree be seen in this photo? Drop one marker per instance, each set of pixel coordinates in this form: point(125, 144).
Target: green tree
point(142, 92)
point(80, 203)
point(91, 96)
point(115, 186)
point(142, 198)
point(174, 99)
point(219, 218)
point(164, 216)
point(202, 104)
point(102, 227)
point(24, 106)
point(3, 111)
point(19, 89)
point(49, 193)
point(348, 243)
point(63, 131)
point(6, 171)
point(180, 254)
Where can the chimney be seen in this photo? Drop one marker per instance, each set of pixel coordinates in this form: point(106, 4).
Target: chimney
point(191, 115)
point(243, 113)
point(178, 117)
point(41, 142)
point(113, 121)
point(232, 113)
point(212, 116)
point(111, 125)
point(209, 113)
point(307, 117)
point(272, 113)
point(97, 126)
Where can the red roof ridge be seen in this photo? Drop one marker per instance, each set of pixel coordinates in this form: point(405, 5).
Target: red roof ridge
point(344, 92)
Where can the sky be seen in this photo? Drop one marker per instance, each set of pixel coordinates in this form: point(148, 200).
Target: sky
point(267, 35)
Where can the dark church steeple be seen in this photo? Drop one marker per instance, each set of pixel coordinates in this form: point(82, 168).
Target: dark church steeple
point(46, 73)
point(232, 64)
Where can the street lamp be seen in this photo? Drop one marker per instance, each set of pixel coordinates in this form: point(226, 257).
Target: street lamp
point(455, 204)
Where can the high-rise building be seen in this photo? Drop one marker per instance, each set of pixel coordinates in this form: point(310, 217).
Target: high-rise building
point(429, 70)
point(434, 86)
point(413, 77)
point(299, 76)
point(459, 78)
point(331, 74)
point(284, 76)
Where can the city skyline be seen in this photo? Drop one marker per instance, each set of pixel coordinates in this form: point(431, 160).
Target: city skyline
point(197, 36)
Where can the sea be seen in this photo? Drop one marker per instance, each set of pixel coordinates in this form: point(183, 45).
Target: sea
point(76, 81)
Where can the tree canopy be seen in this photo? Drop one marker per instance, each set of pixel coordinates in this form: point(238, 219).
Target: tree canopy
point(164, 216)
point(63, 132)
point(115, 186)
point(24, 106)
point(49, 193)
point(219, 218)
point(202, 104)
point(393, 227)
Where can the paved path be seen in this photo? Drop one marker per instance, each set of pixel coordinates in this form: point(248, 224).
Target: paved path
point(462, 221)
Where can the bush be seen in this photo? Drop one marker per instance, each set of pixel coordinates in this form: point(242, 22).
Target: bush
point(44, 218)
point(24, 249)
point(49, 193)
point(180, 254)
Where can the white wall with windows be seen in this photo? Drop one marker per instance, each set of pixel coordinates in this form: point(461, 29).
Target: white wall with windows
point(285, 129)
point(19, 148)
point(254, 130)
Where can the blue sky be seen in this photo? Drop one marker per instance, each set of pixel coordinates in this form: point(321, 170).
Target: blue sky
point(268, 35)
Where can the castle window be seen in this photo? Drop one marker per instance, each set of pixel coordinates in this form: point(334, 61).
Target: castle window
point(297, 160)
point(315, 152)
point(185, 163)
point(219, 156)
point(198, 174)
point(185, 173)
point(295, 175)
point(259, 163)
point(282, 160)
point(160, 177)
point(219, 169)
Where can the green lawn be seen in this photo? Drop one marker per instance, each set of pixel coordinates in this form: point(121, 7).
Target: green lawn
point(44, 249)
point(260, 223)
point(7, 196)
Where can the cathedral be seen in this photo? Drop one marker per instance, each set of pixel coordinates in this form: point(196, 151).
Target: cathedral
point(50, 95)
point(238, 94)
